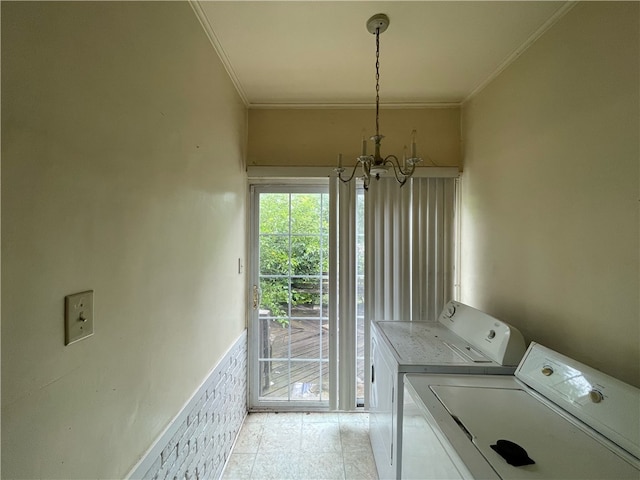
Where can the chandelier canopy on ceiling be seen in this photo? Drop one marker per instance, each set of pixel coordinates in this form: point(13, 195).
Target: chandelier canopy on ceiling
point(375, 165)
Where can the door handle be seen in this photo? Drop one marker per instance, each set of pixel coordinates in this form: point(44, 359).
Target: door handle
point(372, 374)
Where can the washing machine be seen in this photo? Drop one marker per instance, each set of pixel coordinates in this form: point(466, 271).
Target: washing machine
point(554, 419)
point(464, 340)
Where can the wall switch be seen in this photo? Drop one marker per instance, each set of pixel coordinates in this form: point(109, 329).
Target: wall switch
point(78, 316)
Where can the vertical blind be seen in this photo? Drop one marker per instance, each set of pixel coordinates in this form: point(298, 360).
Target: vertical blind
point(342, 275)
point(409, 254)
point(409, 236)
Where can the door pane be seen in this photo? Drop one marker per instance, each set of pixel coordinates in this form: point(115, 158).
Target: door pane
point(293, 310)
point(307, 211)
point(275, 297)
point(306, 255)
point(306, 381)
point(305, 297)
point(305, 339)
point(274, 382)
point(274, 213)
point(274, 255)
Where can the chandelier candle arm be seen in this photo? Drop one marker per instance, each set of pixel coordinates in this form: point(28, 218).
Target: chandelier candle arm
point(340, 170)
point(375, 164)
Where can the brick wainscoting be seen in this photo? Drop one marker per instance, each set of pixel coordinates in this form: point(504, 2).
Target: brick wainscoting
point(198, 442)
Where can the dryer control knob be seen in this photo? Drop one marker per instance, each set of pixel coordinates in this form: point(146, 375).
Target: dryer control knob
point(547, 370)
point(491, 334)
point(450, 311)
point(596, 396)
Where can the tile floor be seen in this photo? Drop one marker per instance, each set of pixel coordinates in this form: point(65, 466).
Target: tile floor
point(303, 446)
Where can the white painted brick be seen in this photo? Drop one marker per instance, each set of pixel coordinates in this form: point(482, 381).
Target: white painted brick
point(201, 470)
point(201, 444)
point(161, 474)
point(173, 471)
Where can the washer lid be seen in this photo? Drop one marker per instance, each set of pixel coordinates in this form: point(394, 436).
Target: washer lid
point(559, 448)
point(421, 343)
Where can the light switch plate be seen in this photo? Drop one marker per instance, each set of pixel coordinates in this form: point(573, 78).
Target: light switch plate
point(78, 316)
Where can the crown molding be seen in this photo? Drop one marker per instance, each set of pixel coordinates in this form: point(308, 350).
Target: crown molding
point(217, 46)
point(350, 106)
point(561, 12)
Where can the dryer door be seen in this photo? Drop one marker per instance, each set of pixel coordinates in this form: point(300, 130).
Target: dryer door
point(381, 410)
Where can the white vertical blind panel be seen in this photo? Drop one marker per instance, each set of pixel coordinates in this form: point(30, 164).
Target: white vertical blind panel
point(433, 213)
point(449, 243)
point(404, 253)
point(408, 247)
point(387, 248)
point(347, 295)
point(333, 293)
point(373, 267)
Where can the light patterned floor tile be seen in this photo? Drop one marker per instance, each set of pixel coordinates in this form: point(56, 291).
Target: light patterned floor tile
point(355, 438)
point(301, 446)
point(289, 418)
point(321, 466)
point(359, 467)
point(280, 437)
point(276, 466)
point(239, 466)
point(320, 437)
point(321, 417)
point(258, 417)
point(249, 438)
point(358, 417)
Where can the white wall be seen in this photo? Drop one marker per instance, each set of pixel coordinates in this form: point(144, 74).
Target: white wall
point(122, 153)
point(550, 225)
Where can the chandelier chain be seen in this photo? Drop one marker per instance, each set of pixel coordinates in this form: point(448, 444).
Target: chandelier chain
point(377, 81)
point(376, 165)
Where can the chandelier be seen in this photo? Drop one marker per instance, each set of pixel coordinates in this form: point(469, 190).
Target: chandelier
point(375, 165)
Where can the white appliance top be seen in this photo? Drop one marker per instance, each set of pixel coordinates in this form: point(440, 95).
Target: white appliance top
point(606, 404)
point(463, 336)
point(421, 343)
point(473, 412)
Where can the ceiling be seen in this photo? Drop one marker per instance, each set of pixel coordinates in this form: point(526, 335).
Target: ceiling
point(305, 53)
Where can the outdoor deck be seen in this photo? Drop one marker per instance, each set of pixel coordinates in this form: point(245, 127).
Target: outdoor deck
point(303, 365)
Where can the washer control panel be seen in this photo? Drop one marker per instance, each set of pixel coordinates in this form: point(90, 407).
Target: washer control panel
point(501, 342)
point(606, 404)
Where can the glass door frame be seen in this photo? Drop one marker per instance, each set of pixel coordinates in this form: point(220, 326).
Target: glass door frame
point(255, 403)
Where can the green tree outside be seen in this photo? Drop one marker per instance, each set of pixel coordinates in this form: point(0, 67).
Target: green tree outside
point(294, 253)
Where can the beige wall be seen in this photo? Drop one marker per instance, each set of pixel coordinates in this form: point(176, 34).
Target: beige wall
point(550, 190)
point(122, 146)
point(314, 137)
